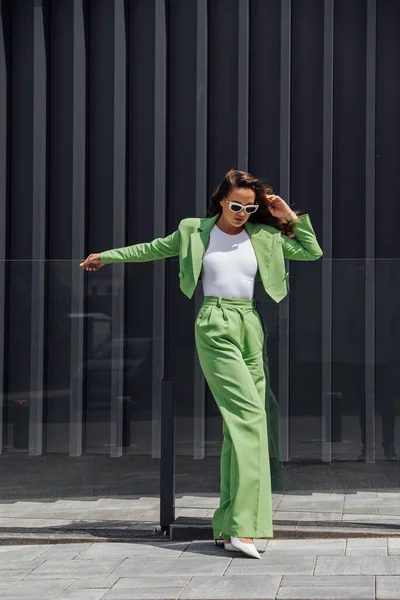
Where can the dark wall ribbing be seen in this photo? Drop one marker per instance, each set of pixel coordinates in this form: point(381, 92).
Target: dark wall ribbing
point(117, 119)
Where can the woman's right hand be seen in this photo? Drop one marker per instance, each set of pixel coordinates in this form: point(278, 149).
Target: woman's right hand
point(92, 263)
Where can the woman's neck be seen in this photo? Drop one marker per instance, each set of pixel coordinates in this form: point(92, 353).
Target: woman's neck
point(227, 227)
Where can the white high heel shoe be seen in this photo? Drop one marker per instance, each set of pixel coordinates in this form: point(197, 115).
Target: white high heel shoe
point(227, 546)
point(248, 549)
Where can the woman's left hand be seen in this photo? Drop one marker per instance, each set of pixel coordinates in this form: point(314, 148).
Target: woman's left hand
point(279, 209)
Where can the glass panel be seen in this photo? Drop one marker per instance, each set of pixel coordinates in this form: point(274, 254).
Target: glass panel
point(56, 473)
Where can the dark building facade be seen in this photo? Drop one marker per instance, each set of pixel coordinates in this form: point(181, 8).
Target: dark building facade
point(118, 119)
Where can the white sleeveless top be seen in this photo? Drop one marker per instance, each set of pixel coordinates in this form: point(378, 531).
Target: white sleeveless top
point(229, 265)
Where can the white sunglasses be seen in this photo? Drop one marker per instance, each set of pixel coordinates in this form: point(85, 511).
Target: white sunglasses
point(236, 207)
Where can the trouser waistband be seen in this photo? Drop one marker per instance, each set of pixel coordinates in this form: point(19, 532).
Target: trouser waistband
point(233, 302)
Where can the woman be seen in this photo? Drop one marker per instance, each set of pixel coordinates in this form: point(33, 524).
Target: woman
point(246, 237)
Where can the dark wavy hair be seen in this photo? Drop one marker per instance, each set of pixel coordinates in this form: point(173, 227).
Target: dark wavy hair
point(241, 179)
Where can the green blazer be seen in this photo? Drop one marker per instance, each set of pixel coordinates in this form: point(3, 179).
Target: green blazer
point(190, 240)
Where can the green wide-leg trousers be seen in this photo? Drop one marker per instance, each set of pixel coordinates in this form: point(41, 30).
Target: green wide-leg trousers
point(229, 339)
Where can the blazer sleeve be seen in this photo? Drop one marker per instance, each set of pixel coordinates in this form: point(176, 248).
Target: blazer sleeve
point(305, 245)
point(145, 252)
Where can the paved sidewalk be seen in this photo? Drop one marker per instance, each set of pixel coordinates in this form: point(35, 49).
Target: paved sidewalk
point(288, 570)
point(128, 518)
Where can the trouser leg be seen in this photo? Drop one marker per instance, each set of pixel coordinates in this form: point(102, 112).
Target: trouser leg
point(223, 355)
point(225, 470)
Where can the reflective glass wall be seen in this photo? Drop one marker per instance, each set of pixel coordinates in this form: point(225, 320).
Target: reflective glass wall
point(117, 120)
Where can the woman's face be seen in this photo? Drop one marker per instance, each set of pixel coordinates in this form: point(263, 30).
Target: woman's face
point(242, 196)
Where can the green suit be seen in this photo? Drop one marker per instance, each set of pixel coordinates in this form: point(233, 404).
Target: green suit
point(190, 240)
point(230, 340)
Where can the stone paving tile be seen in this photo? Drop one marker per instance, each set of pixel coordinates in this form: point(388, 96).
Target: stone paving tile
point(4, 521)
point(127, 502)
point(199, 565)
point(15, 575)
point(20, 503)
point(318, 507)
point(128, 550)
point(334, 581)
point(388, 510)
point(95, 524)
point(388, 588)
point(323, 593)
point(19, 565)
point(146, 594)
point(294, 543)
point(29, 590)
point(125, 583)
point(197, 502)
point(297, 498)
point(64, 514)
point(357, 565)
point(18, 509)
point(192, 512)
point(68, 594)
point(150, 515)
point(131, 588)
point(355, 510)
point(394, 546)
point(375, 502)
point(232, 588)
point(281, 515)
point(203, 547)
point(367, 551)
point(324, 588)
point(306, 547)
point(70, 503)
point(94, 583)
point(73, 569)
point(364, 518)
point(63, 552)
point(24, 522)
point(328, 496)
point(57, 549)
point(366, 542)
point(116, 514)
point(143, 525)
point(272, 565)
point(22, 552)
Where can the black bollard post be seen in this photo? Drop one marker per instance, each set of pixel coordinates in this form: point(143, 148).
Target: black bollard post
point(167, 461)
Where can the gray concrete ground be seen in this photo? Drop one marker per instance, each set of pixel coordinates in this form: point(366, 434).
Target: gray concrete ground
point(69, 550)
point(124, 518)
point(288, 570)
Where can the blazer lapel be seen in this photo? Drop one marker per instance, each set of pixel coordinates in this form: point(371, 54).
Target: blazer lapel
point(264, 244)
point(198, 242)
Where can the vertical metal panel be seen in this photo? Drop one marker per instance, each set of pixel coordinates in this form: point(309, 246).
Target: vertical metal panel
point(199, 390)
point(243, 86)
point(3, 201)
point(78, 177)
point(160, 85)
point(39, 107)
point(327, 152)
point(370, 235)
point(119, 184)
point(284, 191)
